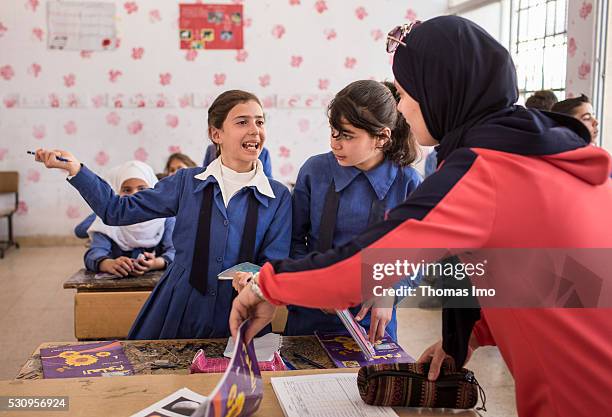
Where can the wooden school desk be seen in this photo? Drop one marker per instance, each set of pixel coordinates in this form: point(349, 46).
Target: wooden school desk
point(143, 353)
point(123, 396)
point(106, 308)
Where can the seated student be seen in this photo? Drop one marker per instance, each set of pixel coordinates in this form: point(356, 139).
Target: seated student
point(175, 162)
point(228, 213)
point(339, 193)
point(133, 249)
point(542, 100)
point(212, 153)
point(581, 109)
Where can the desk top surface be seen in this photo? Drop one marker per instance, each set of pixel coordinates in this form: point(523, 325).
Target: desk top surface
point(84, 280)
point(123, 396)
point(142, 354)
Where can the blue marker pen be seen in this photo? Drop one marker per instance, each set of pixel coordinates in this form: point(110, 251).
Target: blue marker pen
point(59, 158)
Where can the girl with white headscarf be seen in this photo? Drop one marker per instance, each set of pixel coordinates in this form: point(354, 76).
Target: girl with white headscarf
point(133, 249)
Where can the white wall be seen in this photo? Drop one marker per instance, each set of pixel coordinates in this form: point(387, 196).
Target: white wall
point(104, 136)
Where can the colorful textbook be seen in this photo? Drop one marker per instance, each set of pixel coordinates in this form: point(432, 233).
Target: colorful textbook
point(88, 360)
point(346, 353)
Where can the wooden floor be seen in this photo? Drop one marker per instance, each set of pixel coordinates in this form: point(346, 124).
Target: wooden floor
point(34, 308)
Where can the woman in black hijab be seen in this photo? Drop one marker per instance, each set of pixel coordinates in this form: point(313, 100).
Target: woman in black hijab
point(507, 177)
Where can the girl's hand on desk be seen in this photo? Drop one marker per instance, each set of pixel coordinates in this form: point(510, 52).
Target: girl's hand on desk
point(49, 158)
point(147, 262)
point(241, 279)
point(122, 266)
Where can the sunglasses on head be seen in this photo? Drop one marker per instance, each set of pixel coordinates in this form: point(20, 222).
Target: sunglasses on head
point(395, 36)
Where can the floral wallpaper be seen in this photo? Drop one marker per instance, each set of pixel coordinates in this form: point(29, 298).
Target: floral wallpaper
point(581, 29)
point(147, 98)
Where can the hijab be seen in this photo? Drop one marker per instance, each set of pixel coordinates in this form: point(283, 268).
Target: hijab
point(141, 235)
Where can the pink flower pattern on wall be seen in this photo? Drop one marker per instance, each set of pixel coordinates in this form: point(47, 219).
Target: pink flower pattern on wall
point(34, 70)
point(584, 70)
point(571, 47)
point(154, 84)
point(7, 72)
point(38, 34)
point(141, 154)
point(39, 132)
point(172, 121)
point(321, 6)
point(113, 119)
point(135, 127)
point(22, 208)
point(33, 175)
point(130, 7)
point(137, 53)
point(70, 127)
point(278, 31)
point(586, 9)
point(73, 212)
point(361, 13)
point(165, 78)
point(102, 158)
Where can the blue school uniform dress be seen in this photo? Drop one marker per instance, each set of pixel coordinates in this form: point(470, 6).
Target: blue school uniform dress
point(189, 301)
point(264, 157)
point(331, 206)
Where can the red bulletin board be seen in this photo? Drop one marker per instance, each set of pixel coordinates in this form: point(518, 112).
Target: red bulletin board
point(211, 26)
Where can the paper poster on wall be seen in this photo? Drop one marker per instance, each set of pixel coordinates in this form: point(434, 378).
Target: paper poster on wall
point(81, 26)
point(211, 26)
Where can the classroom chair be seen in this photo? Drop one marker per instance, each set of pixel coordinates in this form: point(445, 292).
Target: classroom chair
point(9, 184)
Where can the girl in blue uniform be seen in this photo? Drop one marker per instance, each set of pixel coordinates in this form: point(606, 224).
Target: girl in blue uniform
point(133, 249)
point(226, 214)
point(338, 194)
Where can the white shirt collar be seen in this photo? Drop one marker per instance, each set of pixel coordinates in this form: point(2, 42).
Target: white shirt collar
point(259, 180)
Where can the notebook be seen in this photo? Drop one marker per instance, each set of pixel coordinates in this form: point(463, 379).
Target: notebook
point(228, 274)
point(324, 395)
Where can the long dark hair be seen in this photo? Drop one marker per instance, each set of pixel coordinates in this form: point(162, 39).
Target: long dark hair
point(372, 106)
point(223, 104)
point(569, 105)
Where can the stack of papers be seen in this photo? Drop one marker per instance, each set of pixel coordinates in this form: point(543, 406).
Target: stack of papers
point(265, 347)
